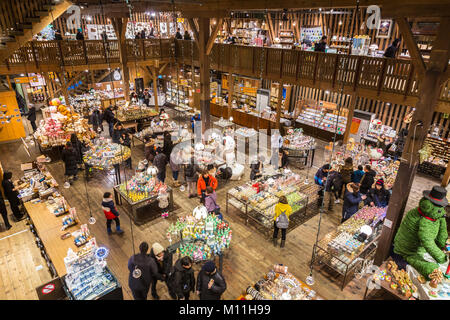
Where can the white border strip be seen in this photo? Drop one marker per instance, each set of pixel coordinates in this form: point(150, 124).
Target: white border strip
point(14, 234)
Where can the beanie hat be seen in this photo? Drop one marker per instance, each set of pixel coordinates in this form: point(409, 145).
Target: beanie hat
point(380, 182)
point(209, 266)
point(157, 248)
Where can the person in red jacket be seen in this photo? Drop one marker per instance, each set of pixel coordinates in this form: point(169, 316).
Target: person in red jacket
point(204, 181)
point(111, 213)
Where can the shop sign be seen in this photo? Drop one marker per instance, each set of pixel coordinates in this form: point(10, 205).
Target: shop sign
point(180, 20)
point(25, 79)
point(48, 288)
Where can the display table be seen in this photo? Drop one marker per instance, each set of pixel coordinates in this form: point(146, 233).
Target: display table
point(259, 206)
point(278, 284)
point(318, 132)
point(340, 251)
point(143, 210)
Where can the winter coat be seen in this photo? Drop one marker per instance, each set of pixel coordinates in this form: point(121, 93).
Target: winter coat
point(255, 169)
point(109, 209)
point(95, 118)
point(192, 172)
point(108, 116)
point(70, 158)
point(2, 205)
point(320, 174)
point(201, 184)
point(160, 162)
point(320, 46)
point(117, 134)
point(217, 288)
point(10, 194)
point(159, 270)
point(174, 162)
point(281, 207)
point(168, 146)
point(334, 182)
point(284, 160)
point(211, 202)
point(178, 36)
point(380, 198)
point(351, 202)
point(143, 262)
point(31, 115)
point(367, 181)
point(346, 173)
point(181, 280)
point(357, 176)
point(80, 36)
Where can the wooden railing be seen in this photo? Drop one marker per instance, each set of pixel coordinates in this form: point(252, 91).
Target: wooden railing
point(369, 76)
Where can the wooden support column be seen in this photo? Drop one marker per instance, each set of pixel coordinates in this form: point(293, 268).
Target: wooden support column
point(92, 74)
point(203, 37)
point(155, 87)
point(446, 178)
point(120, 27)
point(428, 95)
point(411, 44)
point(230, 93)
point(279, 101)
point(48, 85)
point(351, 111)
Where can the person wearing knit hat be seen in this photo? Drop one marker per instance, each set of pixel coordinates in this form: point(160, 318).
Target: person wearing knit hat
point(378, 196)
point(210, 283)
point(160, 266)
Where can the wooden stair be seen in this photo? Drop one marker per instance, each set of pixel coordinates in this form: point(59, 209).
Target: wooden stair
point(22, 32)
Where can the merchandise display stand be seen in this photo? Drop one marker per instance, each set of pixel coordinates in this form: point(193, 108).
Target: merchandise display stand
point(144, 210)
point(250, 208)
point(341, 251)
point(279, 284)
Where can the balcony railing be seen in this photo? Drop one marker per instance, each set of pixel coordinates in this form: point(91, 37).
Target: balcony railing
point(379, 75)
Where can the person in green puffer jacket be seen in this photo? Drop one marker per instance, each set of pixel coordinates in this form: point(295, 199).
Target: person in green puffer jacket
point(424, 230)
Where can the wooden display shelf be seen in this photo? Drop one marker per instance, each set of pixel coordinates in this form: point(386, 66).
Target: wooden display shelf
point(48, 227)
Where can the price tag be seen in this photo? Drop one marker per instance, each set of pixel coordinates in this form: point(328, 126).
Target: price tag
point(387, 223)
point(108, 154)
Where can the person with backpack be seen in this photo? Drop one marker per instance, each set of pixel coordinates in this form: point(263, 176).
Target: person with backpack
point(111, 213)
point(140, 286)
point(70, 159)
point(368, 179)
point(161, 265)
point(211, 202)
point(205, 179)
point(346, 173)
point(281, 220)
point(182, 279)
point(256, 168)
point(352, 198)
point(160, 162)
point(191, 173)
point(357, 174)
point(210, 283)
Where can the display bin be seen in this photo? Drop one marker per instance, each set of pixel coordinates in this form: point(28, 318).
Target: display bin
point(344, 264)
point(112, 293)
point(263, 223)
point(301, 157)
point(431, 169)
point(144, 210)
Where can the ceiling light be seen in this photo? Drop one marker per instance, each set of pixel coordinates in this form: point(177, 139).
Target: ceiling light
point(320, 9)
point(340, 22)
point(153, 14)
point(327, 92)
point(331, 10)
point(293, 23)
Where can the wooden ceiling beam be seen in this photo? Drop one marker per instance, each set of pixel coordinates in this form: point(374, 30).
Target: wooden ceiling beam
point(193, 28)
point(213, 36)
point(416, 56)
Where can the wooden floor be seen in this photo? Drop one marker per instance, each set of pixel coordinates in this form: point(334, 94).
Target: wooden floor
point(249, 257)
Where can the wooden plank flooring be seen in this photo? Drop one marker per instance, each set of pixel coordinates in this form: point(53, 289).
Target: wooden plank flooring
point(249, 257)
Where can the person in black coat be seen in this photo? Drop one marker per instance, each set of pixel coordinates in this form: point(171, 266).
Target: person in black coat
point(352, 198)
point(109, 117)
point(256, 168)
point(95, 119)
point(80, 35)
point(4, 212)
point(31, 116)
point(187, 36)
point(210, 283)
point(321, 45)
point(378, 196)
point(142, 261)
point(58, 35)
point(182, 280)
point(391, 51)
point(368, 179)
point(283, 158)
point(11, 194)
point(69, 157)
point(168, 144)
point(76, 145)
point(160, 266)
point(333, 186)
point(178, 35)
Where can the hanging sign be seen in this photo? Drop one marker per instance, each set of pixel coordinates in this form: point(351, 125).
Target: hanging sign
point(25, 79)
point(180, 20)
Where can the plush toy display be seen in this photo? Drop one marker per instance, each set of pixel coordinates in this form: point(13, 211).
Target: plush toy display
point(422, 231)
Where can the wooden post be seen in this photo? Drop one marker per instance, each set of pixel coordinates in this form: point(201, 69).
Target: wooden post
point(120, 25)
point(279, 101)
point(351, 111)
point(429, 92)
point(203, 36)
point(155, 87)
point(446, 178)
point(48, 85)
point(230, 92)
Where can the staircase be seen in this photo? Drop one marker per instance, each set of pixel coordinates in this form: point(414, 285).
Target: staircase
point(18, 30)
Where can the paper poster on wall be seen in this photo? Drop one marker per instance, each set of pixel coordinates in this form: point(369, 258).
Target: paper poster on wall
point(163, 27)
